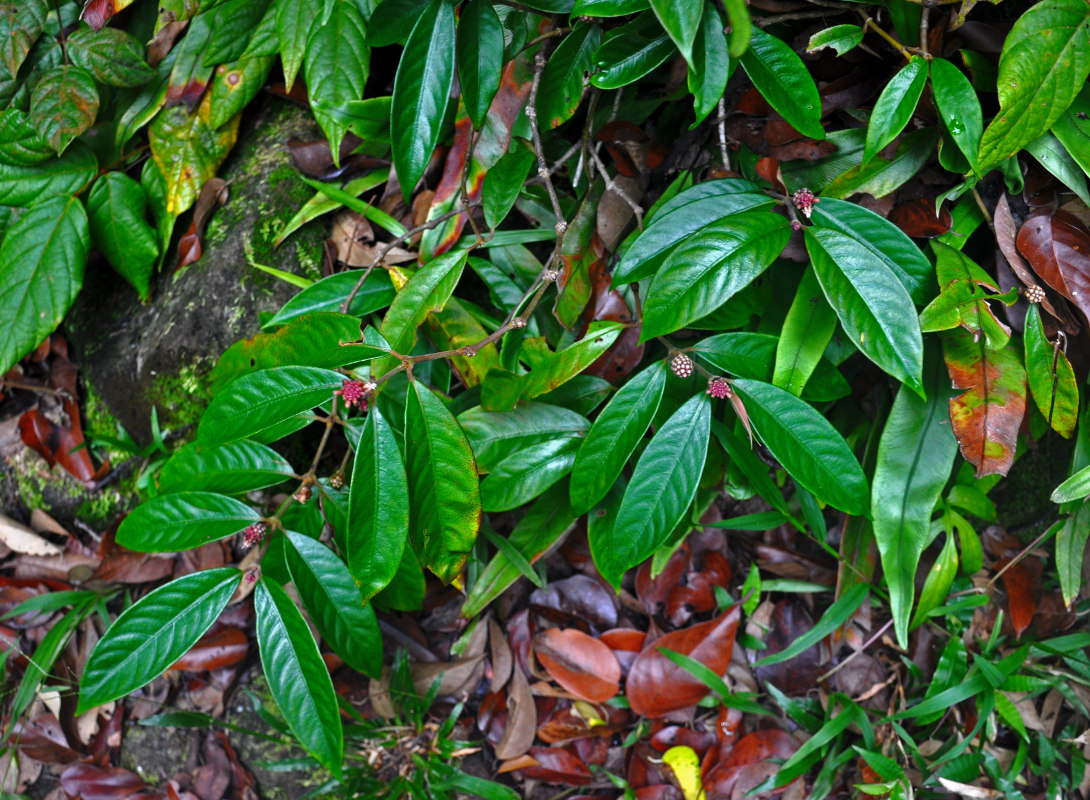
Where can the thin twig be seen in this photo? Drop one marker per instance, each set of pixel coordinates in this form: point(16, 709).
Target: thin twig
point(473, 137)
point(613, 187)
point(1025, 552)
point(721, 127)
point(862, 649)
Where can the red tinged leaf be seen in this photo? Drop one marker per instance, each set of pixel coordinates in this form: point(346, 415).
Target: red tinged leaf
point(626, 644)
point(917, 218)
point(88, 782)
point(189, 247)
point(1020, 581)
point(988, 414)
point(660, 791)
point(555, 765)
point(656, 685)
point(43, 740)
point(749, 764)
point(216, 649)
point(580, 663)
point(1058, 249)
point(98, 12)
point(56, 444)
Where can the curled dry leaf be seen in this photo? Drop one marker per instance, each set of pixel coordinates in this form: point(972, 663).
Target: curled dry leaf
point(502, 659)
point(21, 539)
point(521, 718)
point(580, 663)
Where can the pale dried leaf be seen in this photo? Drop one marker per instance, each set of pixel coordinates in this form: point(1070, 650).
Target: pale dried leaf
point(21, 539)
point(41, 521)
point(521, 719)
point(501, 656)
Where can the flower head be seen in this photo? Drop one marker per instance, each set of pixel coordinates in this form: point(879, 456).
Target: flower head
point(1035, 294)
point(355, 393)
point(253, 534)
point(805, 201)
point(681, 365)
point(719, 388)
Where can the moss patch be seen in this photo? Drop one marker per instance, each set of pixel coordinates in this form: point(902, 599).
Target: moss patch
point(182, 398)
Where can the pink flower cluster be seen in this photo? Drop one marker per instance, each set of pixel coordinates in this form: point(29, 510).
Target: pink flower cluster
point(355, 393)
point(253, 534)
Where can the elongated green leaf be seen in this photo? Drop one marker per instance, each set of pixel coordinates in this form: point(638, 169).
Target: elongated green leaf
point(631, 51)
point(958, 107)
point(614, 436)
point(233, 23)
point(112, 55)
point(662, 489)
point(427, 291)
point(336, 64)
point(45, 656)
point(1074, 488)
point(480, 58)
point(809, 448)
point(333, 601)
point(21, 23)
point(524, 475)
point(915, 456)
point(495, 435)
point(753, 355)
point(841, 38)
point(235, 86)
point(153, 633)
point(393, 21)
point(1054, 157)
point(293, 23)
point(329, 293)
point(680, 19)
point(1073, 129)
point(562, 80)
point(41, 270)
point(874, 307)
point(260, 400)
point(231, 469)
point(298, 679)
point(1070, 549)
point(116, 206)
point(836, 615)
point(378, 507)
point(880, 176)
point(322, 203)
point(421, 91)
point(551, 370)
point(895, 106)
point(807, 330)
point(783, 80)
point(444, 491)
point(173, 522)
point(711, 65)
point(938, 582)
point(503, 183)
point(709, 267)
point(1050, 376)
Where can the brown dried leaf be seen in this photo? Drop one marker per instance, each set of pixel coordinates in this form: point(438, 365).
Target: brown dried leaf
point(1057, 246)
point(1020, 582)
point(555, 765)
point(918, 219)
point(521, 719)
point(219, 648)
point(580, 663)
point(502, 659)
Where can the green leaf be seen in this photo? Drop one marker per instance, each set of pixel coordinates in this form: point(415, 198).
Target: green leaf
point(1074, 488)
point(609, 8)
point(170, 523)
point(1054, 157)
point(709, 267)
point(20, 144)
point(835, 616)
point(63, 104)
point(21, 23)
point(329, 293)
point(235, 86)
point(495, 435)
point(631, 51)
point(189, 76)
point(711, 65)
point(614, 436)
point(113, 56)
point(1070, 549)
point(810, 449)
point(45, 656)
point(41, 270)
point(503, 183)
point(915, 456)
point(24, 185)
point(881, 176)
point(153, 633)
point(841, 38)
point(809, 326)
point(231, 469)
point(421, 91)
point(874, 308)
point(1050, 376)
point(260, 400)
point(297, 676)
point(117, 210)
point(938, 582)
point(661, 490)
point(188, 152)
point(233, 23)
point(1043, 66)
point(1073, 129)
point(378, 507)
point(393, 21)
point(293, 23)
point(427, 291)
point(444, 491)
point(336, 64)
point(322, 203)
point(785, 82)
point(959, 107)
point(332, 599)
point(680, 19)
point(895, 106)
point(562, 79)
point(480, 58)
point(524, 475)
point(551, 370)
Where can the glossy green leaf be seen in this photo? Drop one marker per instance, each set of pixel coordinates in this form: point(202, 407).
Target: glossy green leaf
point(1043, 66)
point(41, 270)
point(959, 107)
point(188, 152)
point(709, 267)
point(170, 523)
point(881, 176)
point(297, 676)
point(631, 51)
point(680, 19)
point(524, 475)
point(1070, 550)
point(1074, 488)
point(754, 355)
point(562, 79)
point(116, 207)
point(1050, 376)
point(112, 55)
point(1054, 157)
point(322, 203)
point(683, 215)
point(21, 23)
point(190, 76)
point(895, 106)
point(336, 65)
point(550, 370)
point(444, 491)
point(503, 183)
point(807, 330)
point(393, 21)
point(874, 308)
point(63, 104)
point(147, 101)
point(153, 633)
point(230, 469)
point(427, 291)
point(495, 435)
point(421, 91)
point(614, 436)
point(260, 400)
point(20, 144)
point(965, 287)
point(915, 456)
point(332, 599)
point(378, 507)
point(783, 80)
point(233, 22)
point(740, 452)
point(235, 86)
point(368, 210)
point(711, 65)
point(841, 38)
point(808, 447)
point(938, 582)
point(609, 8)
point(329, 293)
point(661, 490)
point(480, 58)
point(836, 615)
point(1073, 129)
point(24, 185)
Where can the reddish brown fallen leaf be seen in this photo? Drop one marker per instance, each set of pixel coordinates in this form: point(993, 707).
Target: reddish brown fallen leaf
point(502, 659)
point(190, 249)
point(675, 735)
point(654, 592)
point(88, 782)
point(660, 791)
point(656, 686)
point(555, 765)
point(1020, 581)
point(749, 765)
point(56, 444)
point(1057, 246)
point(580, 597)
point(214, 650)
point(768, 168)
point(917, 218)
point(521, 762)
point(798, 675)
point(580, 663)
point(43, 740)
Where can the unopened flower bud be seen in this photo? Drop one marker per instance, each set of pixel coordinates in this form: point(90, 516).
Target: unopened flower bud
point(253, 534)
point(681, 365)
point(1035, 294)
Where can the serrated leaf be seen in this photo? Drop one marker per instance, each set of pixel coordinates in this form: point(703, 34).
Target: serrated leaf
point(631, 51)
point(336, 64)
point(233, 23)
point(260, 400)
point(709, 267)
point(614, 436)
point(21, 23)
point(959, 107)
point(841, 38)
point(63, 104)
point(25, 185)
point(495, 435)
point(116, 207)
point(378, 508)
point(333, 601)
point(785, 82)
point(680, 19)
point(808, 447)
point(20, 144)
point(297, 676)
point(171, 523)
point(230, 469)
point(562, 79)
point(895, 106)
point(444, 491)
point(113, 56)
point(188, 152)
point(421, 92)
point(874, 308)
point(662, 488)
point(41, 270)
point(1045, 55)
point(293, 22)
point(915, 456)
point(480, 58)
point(1050, 376)
point(524, 475)
point(329, 293)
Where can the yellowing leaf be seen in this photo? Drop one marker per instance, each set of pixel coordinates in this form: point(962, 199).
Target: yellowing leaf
point(685, 763)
